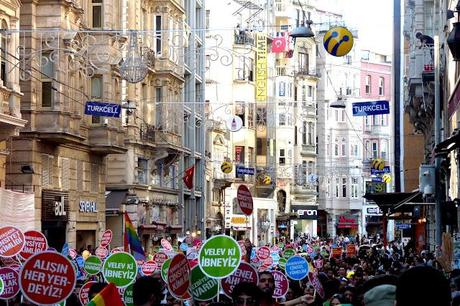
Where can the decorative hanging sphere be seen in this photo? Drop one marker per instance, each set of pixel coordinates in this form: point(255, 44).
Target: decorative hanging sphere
point(226, 167)
point(378, 164)
point(386, 178)
point(338, 41)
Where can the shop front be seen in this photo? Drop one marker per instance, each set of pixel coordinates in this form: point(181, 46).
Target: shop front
point(347, 224)
point(89, 223)
point(55, 217)
point(240, 227)
point(306, 222)
point(373, 222)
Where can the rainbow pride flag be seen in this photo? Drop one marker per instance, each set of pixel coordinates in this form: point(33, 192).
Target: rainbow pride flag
point(132, 240)
point(109, 296)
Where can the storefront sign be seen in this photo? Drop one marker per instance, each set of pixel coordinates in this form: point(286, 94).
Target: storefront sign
point(10, 280)
point(93, 265)
point(47, 278)
point(120, 269)
point(297, 268)
point(234, 124)
point(244, 199)
point(374, 211)
point(244, 273)
point(149, 267)
point(35, 242)
point(203, 288)
point(88, 207)
point(178, 275)
point(241, 170)
point(106, 238)
point(376, 187)
point(347, 221)
point(11, 241)
point(281, 284)
point(261, 66)
point(263, 252)
point(55, 205)
point(102, 109)
point(386, 169)
point(306, 212)
point(83, 295)
point(219, 256)
point(239, 221)
point(371, 108)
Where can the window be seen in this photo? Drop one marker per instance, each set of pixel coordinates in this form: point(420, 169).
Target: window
point(344, 147)
point(337, 187)
point(375, 151)
point(282, 89)
point(95, 178)
point(3, 63)
point(250, 156)
point(142, 171)
point(310, 91)
point(304, 133)
point(64, 181)
point(282, 160)
point(384, 149)
point(295, 135)
point(261, 116)
point(304, 92)
point(303, 62)
point(381, 86)
point(343, 115)
point(240, 111)
point(336, 147)
point(251, 115)
point(328, 145)
point(328, 188)
point(282, 119)
point(159, 107)
point(344, 187)
point(348, 60)
point(311, 133)
point(47, 170)
point(96, 93)
point(336, 115)
point(245, 69)
point(47, 82)
point(97, 13)
point(354, 187)
point(239, 154)
point(208, 14)
point(384, 120)
point(304, 172)
point(311, 170)
point(261, 146)
point(368, 84)
point(158, 33)
point(354, 150)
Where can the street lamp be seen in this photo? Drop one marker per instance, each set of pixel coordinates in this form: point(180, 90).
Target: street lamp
point(133, 69)
point(340, 103)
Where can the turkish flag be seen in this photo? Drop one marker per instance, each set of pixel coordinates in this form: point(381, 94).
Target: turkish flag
point(278, 44)
point(188, 177)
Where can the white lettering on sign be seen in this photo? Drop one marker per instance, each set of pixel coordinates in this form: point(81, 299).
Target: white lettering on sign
point(88, 206)
point(59, 209)
point(307, 212)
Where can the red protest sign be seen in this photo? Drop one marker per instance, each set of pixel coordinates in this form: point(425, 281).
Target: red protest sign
point(242, 248)
point(10, 283)
point(106, 238)
point(179, 275)
point(351, 250)
point(244, 273)
point(244, 199)
point(281, 284)
point(166, 244)
point(160, 258)
point(263, 253)
point(35, 242)
point(149, 267)
point(47, 278)
point(11, 241)
point(314, 280)
point(336, 252)
point(83, 295)
point(101, 252)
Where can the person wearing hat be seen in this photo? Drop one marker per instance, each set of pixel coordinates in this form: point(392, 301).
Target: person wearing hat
point(383, 295)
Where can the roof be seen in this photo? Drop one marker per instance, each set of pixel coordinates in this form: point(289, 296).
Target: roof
point(114, 199)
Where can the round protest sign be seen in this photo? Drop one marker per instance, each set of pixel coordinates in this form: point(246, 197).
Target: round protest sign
point(73, 253)
point(219, 256)
point(281, 284)
point(263, 253)
point(166, 244)
point(106, 238)
point(242, 248)
point(117, 250)
point(244, 273)
point(149, 267)
point(120, 269)
point(160, 258)
point(282, 263)
point(164, 270)
point(316, 283)
point(128, 296)
point(244, 198)
point(93, 265)
point(203, 288)
point(47, 278)
point(11, 241)
point(297, 268)
point(101, 252)
point(84, 291)
point(10, 279)
point(288, 253)
point(178, 275)
point(34, 242)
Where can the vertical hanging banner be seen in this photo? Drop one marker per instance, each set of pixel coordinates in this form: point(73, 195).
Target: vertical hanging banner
point(261, 67)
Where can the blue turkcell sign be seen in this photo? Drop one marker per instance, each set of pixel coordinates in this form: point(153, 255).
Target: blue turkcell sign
point(296, 268)
point(102, 109)
point(377, 179)
point(371, 108)
point(386, 169)
point(240, 170)
point(402, 226)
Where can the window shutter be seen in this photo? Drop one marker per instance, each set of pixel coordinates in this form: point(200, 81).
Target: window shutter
point(94, 177)
point(45, 171)
point(80, 177)
point(65, 173)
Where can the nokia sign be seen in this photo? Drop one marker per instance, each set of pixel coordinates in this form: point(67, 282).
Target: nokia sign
point(306, 212)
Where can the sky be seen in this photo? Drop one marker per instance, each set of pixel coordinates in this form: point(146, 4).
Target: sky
point(374, 21)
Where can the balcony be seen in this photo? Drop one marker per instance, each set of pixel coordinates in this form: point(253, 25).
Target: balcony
point(421, 68)
point(106, 140)
point(147, 134)
point(308, 150)
point(306, 72)
point(169, 140)
point(244, 38)
point(305, 191)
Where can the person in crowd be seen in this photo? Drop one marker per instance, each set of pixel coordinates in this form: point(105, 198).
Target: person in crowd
point(267, 286)
point(246, 294)
point(383, 295)
point(147, 291)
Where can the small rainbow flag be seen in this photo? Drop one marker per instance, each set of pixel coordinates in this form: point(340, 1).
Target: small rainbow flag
point(109, 296)
point(132, 240)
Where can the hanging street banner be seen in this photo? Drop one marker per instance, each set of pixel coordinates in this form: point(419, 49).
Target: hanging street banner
point(93, 265)
point(10, 280)
point(244, 198)
point(102, 109)
point(203, 288)
point(244, 273)
point(83, 295)
point(219, 256)
point(106, 238)
point(297, 268)
point(371, 108)
point(120, 269)
point(35, 242)
point(47, 278)
point(281, 284)
point(179, 275)
point(11, 241)
point(386, 169)
point(261, 66)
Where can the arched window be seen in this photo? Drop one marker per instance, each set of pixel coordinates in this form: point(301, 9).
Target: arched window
point(4, 54)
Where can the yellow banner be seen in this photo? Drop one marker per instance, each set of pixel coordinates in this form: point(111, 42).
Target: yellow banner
point(261, 67)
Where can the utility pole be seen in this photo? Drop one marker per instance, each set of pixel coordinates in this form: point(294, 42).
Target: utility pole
point(397, 92)
point(437, 140)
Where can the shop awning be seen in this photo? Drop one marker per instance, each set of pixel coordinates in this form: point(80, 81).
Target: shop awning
point(114, 199)
point(446, 146)
point(392, 202)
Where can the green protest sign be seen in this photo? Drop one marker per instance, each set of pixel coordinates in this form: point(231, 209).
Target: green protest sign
point(128, 296)
point(2, 285)
point(203, 288)
point(219, 256)
point(282, 263)
point(288, 253)
point(92, 265)
point(120, 269)
point(164, 270)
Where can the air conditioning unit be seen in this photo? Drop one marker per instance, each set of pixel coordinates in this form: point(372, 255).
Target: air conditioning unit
point(427, 179)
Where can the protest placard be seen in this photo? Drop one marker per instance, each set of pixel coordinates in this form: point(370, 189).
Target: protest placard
point(120, 269)
point(219, 256)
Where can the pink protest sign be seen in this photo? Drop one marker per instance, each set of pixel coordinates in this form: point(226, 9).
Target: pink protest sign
point(244, 273)
point(106, 238)
point(281, 284)
point(84, 291)
point(149, 267)
point(160, 258)
point(314, 280)
point(102, 252)
point(263, 253)
point(35, 242)
point(166, 244)
point(10, 282)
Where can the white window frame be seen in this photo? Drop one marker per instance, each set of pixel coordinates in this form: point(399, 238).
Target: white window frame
point(368, 84)
point(344, 187)
point(158, 43)
point(381, 86)
point(97, 4)
point(343, 144)
point(354, 187)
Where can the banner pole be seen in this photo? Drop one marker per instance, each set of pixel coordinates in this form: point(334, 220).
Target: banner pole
point(218, 291)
